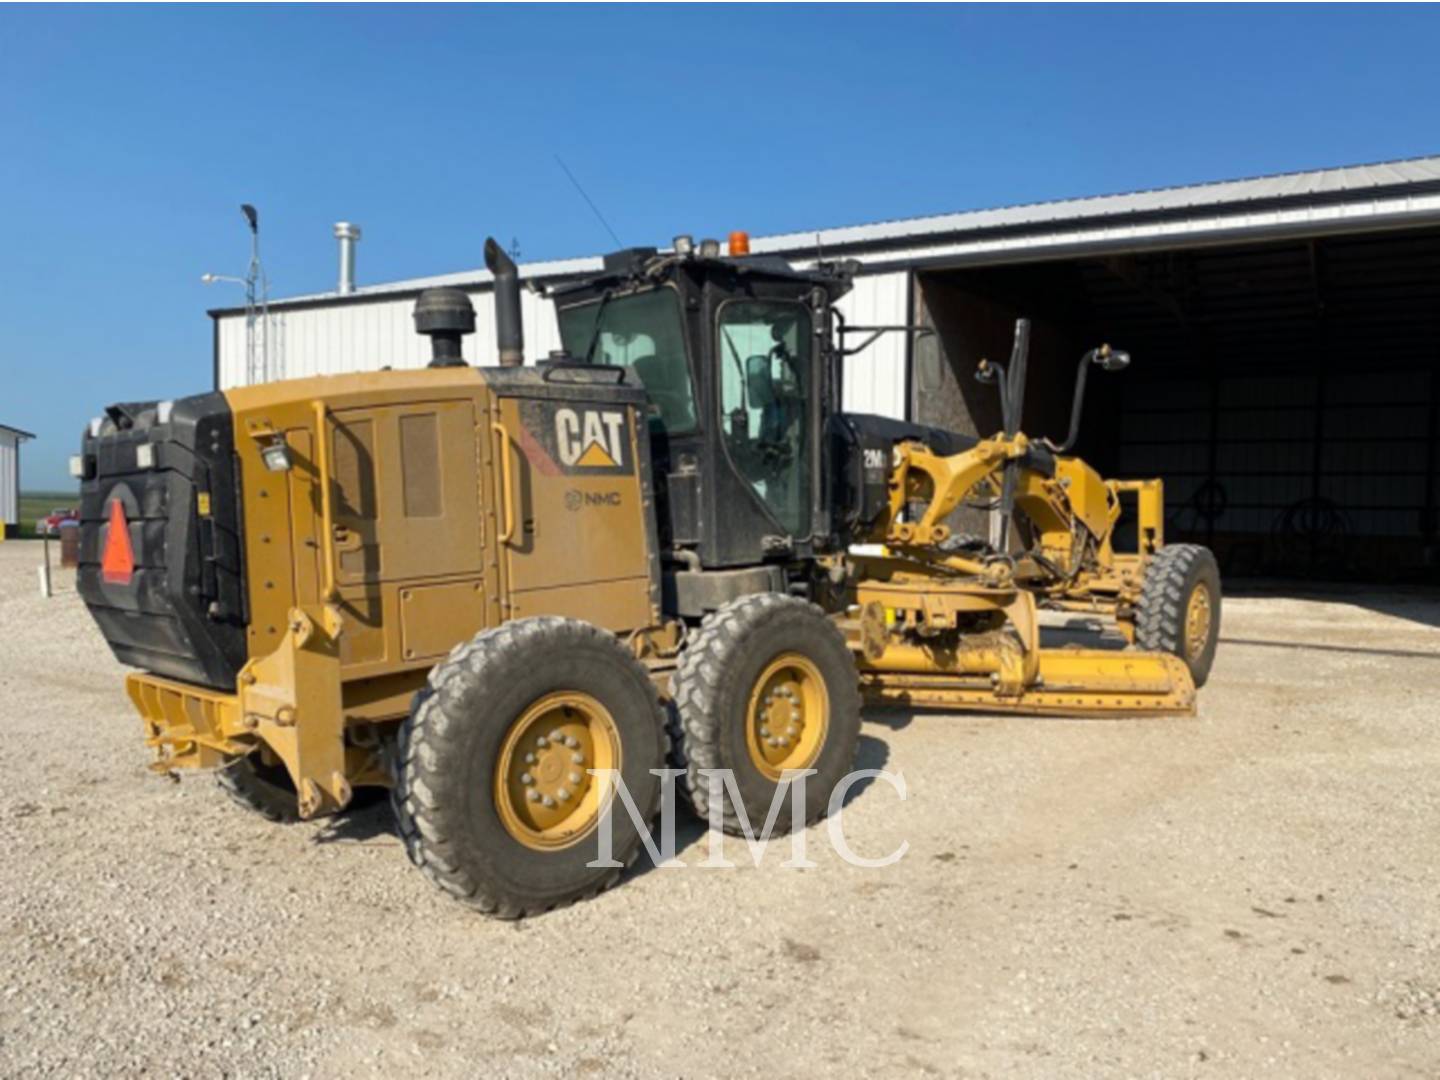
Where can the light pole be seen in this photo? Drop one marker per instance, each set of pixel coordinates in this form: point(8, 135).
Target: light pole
point(257, 303)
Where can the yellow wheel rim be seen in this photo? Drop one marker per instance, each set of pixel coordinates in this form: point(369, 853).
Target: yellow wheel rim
point(546, 797)
point(787, 716)
point(1197, 622)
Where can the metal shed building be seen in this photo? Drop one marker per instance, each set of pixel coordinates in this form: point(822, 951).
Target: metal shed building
point(1285, 329)
point(10, 440)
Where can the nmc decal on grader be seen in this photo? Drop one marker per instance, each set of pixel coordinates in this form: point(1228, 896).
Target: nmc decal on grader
point(493, 591)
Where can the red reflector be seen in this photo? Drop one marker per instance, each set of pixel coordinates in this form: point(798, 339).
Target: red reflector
point(118, 565)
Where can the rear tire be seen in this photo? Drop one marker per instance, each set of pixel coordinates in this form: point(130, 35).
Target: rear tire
point(264, 789)
point(747, 653)
point(481, 771)
point(1179, 609)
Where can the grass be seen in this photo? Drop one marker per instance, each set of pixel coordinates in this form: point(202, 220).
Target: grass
point(38, 504)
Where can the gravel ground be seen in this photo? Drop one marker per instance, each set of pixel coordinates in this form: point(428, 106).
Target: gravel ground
point(1251, 893)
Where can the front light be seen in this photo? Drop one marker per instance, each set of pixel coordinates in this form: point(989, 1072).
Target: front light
point(77, 466)
point(276, 456)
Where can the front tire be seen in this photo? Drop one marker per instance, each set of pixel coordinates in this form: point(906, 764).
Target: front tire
point(264, 789)
point(767, 685)
point(1179, 609)
point(494, 796)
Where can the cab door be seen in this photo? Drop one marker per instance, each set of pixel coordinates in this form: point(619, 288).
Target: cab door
point(766, 383)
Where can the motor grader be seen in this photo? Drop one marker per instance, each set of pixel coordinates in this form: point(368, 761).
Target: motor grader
point(510, 593)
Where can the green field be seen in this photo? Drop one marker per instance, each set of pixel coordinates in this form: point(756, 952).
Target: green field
point(37, 504)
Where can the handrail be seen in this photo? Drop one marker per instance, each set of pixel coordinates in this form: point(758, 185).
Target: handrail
point(328, 591)
point(507, 494)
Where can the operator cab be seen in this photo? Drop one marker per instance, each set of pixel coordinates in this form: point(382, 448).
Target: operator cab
point(735, 357)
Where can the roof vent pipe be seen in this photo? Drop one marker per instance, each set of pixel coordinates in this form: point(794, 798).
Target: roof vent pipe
point(509, 332)
point(349, 236)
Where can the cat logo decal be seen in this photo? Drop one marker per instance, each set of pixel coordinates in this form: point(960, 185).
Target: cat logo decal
point(590, 438)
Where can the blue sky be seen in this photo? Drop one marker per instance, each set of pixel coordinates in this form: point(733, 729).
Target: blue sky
point(128, 137)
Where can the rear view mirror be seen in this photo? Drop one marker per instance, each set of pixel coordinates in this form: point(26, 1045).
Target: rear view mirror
point(1109, 360)
point(1112, 359)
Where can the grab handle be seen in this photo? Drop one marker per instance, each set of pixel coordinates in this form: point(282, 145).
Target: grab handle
point(507, 494)
point(328, 591)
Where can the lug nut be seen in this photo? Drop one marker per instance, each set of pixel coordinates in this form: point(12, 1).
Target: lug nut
point(764, 731)
point(529, 759)
point(563, 794)
point(527, 779)
point(548, 801)
point(571, 741)
point(541, 741)
point(533, 795)
point(575, 778)
point(556, 736)
point(578, 758)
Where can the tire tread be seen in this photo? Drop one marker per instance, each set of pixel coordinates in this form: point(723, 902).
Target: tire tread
point(431, 737)
point(694, 716)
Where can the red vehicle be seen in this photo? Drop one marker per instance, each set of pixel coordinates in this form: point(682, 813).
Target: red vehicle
point(50, 524)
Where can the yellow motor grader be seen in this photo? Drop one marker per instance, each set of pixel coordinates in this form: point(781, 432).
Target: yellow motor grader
point(511, 595)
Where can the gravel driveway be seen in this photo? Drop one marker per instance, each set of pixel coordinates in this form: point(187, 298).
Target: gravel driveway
point(1252, 893)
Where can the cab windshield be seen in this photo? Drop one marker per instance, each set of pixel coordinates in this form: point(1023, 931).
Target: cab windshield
point(642, 332)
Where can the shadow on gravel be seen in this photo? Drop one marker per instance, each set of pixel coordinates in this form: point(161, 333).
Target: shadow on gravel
point(1406, 654)
point(365, 820)
point(870, 753)
point(893, 717)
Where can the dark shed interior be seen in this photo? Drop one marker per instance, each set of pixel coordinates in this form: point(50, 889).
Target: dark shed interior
point(1287, 392)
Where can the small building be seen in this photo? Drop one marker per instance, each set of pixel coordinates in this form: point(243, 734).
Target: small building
point(10, 440)
point(1286, 376)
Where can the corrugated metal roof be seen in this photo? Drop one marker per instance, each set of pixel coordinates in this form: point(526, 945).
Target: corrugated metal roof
point(1388, 178)
point(1320, 182)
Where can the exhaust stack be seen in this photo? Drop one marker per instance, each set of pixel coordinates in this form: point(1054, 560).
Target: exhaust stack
point(509, 332)
point(446, 315)
point(349, 236)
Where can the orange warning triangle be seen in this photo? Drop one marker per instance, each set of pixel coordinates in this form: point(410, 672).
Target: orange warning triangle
point(596, 457)
point(118, 564)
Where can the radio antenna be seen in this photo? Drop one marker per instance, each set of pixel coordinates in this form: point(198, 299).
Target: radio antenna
point(588, 201)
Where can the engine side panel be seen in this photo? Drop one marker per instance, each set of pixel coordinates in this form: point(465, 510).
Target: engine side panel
point(575, 478)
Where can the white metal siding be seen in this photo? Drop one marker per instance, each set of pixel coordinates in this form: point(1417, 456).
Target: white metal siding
point(9, 479)
point(368, 335)
point(875, 378)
